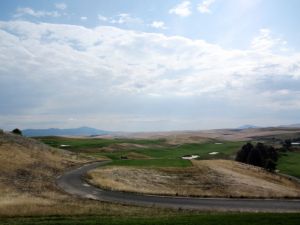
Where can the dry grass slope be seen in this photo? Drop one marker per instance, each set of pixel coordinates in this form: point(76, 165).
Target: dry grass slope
point(28, 170)
point(209, 178)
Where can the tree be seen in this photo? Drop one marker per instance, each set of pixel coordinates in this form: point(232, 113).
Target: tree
point(270, 165)
point(260, 155)
point(17, 131)
point(287, 144)
point(242, 155)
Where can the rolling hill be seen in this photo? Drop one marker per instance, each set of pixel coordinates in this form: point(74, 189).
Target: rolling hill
point(81, 131)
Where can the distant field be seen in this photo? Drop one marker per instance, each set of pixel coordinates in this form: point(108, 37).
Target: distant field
point(289, 163)
point(157, 149)
point(203, 219)
point(81, 144)
point(152, 163)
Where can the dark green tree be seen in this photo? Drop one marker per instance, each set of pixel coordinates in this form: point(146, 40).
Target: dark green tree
point(17, 131)
point(287, 144)
point(260, 155)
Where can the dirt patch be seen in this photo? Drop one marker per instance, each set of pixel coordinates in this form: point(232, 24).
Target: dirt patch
point(207, 178)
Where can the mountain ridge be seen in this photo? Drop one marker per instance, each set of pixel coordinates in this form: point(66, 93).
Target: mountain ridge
point(80, 131)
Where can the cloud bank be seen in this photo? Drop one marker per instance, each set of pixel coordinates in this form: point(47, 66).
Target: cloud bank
point(120, 79)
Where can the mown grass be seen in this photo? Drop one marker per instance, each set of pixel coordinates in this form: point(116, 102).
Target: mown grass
point(203, 150)
point(81, 144)
point(226, 150)
point(152, 163)
point(159, 149)
point(203, 219)
point(289, 163)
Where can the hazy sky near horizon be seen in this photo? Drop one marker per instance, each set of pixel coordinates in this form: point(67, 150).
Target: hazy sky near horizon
point(149, 65)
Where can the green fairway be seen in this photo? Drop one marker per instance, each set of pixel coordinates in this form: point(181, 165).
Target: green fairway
point(161, 153)
point(203, 219)
point(82, 144)
point(289, 163)
point(225, 151)
point(157, 148)
point(152, 163)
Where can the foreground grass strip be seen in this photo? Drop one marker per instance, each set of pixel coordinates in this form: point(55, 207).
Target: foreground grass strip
point(203, 219)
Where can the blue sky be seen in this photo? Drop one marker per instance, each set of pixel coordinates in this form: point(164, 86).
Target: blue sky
point(149, 65)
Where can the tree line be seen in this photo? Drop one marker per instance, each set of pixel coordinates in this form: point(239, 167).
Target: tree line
point(258, 155)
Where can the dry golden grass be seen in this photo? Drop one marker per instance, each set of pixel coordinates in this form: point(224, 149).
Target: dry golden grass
point(210, 178)
point(28, 205)
point(181, 137)
point(28, 171)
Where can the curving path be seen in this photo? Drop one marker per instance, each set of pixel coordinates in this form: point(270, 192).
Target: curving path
point(73, 183)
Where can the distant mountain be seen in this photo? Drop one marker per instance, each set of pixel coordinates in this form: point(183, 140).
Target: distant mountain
point(247, 126)
point(81, 131)
point(292, 125)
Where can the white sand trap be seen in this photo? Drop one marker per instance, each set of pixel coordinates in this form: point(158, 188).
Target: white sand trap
point(63, 146)
point(213, 153)
point(190, 157)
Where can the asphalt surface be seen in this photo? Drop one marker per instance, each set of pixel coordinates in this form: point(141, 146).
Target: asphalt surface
point(73, 182)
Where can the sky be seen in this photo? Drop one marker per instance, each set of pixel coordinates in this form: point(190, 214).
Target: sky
point(135, 65)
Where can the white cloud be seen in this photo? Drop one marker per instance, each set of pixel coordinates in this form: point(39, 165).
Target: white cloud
point(102, 18)
point(61, 6)
point(121, 19)
point(265, 42)
point(204, 6)
point(40, 13)
point(183, 9)
point(125, 18)
point(137, 74)
point(83, 18)
point(158, 25)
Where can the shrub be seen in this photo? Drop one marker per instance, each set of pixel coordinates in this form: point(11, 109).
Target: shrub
point(17, 131)
point(260, 155)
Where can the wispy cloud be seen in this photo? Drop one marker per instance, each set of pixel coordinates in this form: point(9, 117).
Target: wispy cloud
point(102, 18)
point(183, 9)
point(266, 42)
point(61, 6)
point(39, 13)
point(204, 6)
point(125, 18)
point(158, 25)
point(121, 19)
point(83, 18)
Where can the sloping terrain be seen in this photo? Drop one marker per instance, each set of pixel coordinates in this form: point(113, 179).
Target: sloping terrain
point(179, 137)
point(213, 178)
point(27, 165)
point(28, 172)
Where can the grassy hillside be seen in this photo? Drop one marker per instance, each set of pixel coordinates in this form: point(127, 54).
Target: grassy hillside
point(289, 163)
point(205, 178)
point(28, 171)
point(138, 150)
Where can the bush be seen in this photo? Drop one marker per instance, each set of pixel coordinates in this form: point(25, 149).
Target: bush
point(17, 131)
point(260, 155)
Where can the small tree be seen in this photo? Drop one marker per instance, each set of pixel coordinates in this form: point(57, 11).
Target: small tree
point(270, 165)
point(287, 144)
point(17, 131)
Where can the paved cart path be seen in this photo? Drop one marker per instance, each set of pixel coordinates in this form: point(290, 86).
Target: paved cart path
point(73, 183)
